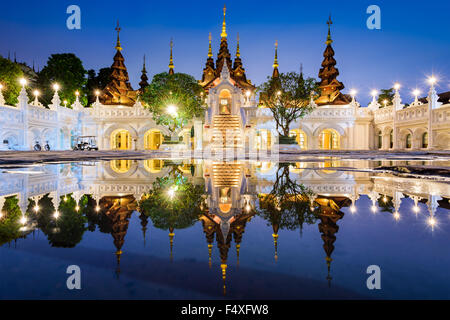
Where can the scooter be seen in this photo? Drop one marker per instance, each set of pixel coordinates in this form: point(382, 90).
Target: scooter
point(47, 146)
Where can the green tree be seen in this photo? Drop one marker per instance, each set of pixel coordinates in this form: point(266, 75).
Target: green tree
point(67, 70)
point(10, 73)
point(288, 98)
point(386, 95)
point(180, 90)
point(96, 82)
point(10, 222)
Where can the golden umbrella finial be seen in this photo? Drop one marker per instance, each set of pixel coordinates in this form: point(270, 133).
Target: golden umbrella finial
point(118, 29)
point(238, 51)
point(224, 25)
point(171, 66)
point(329, 23)
point(209, 49)
point(275, 60)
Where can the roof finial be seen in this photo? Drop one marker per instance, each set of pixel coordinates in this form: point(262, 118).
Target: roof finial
point(171, 66)
point(329, 23)
point(238, 52)
point(224, 25)
point(118, 46)
point(275, 60)
point(143, 67)
point(209, 49)
point(275, 243)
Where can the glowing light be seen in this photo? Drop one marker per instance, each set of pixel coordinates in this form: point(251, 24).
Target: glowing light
point(77, 208)
point(56, 215)
point(373, 208)
point(97, 208)
point(172, 110)
point(36, 93)
point(432, 222)
point(65, 198)
point(416, 209)
point(55, 86)
point(23, 220)
point(23, 82)
point(397, 86)
point(352, 208)
point(432, 80)
point(374, 93)
point(1, 215)
point(278, 93)
point(385, 199)
point(353, 92)
point(77, 93)
point(416, 92)
point(248, 207)
point(97, 92)
point(396, 215)
point(248, 93)
point(171, 191)
point(36, 208)
point(385, 102)
point(311, 208)
point(1, 86)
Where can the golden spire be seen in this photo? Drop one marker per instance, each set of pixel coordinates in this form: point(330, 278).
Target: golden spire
point(171, 66)
point(171, 235)
point(118, 255)
point(238, 52)
point(210, 54)
point(118, 46)
point(238, 247)
point(275, 243)
point(209, 255)
point(224, 25)
point(275, 60)
point(223, 266)
point(329, 23)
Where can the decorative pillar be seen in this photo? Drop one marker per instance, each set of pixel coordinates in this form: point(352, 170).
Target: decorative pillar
point(432, 104)
point(397, 106)
point(198, 134)
point(22, 105)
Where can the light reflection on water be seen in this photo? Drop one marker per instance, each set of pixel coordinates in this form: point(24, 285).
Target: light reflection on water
point(209, 229)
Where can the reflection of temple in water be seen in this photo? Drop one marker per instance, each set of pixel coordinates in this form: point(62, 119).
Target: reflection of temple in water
point(230, 198)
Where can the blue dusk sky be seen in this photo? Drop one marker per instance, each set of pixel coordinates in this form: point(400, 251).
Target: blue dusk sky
point(413, 42)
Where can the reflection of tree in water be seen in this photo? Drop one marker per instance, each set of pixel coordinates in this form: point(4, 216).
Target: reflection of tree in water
point(287, 206)
point(173, 203)
point(10, 221)
point(386, 204)
point(65, 231)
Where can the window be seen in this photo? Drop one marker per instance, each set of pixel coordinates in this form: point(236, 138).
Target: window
point(391, 139)
point(408, 141)
point(380, 140)
point(425, 140)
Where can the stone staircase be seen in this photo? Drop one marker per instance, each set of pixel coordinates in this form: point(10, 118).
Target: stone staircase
point(226, 174)
point(227, 131)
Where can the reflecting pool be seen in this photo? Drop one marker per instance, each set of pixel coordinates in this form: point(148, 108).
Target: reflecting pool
point(209, 229)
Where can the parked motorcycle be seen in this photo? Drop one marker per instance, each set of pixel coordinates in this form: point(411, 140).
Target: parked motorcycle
point(47, 146)
point(37, 146)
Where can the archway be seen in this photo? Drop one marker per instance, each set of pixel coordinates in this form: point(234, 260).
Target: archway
point(153, 165)
point(300, 137)
point(263, 139)
point(120, 139)
point(380, 139)
point(329, 139)
point(424, 140)
point(153, 139)
point(408, 141)
point(225, 102)
point(120, 166)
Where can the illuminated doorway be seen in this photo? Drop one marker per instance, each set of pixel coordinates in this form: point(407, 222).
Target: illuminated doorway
point(153, 165)
point(120, 166)
point(300, 137)
point(120, 140)
point(225, 102)
point(329, 139)
point(153, 139)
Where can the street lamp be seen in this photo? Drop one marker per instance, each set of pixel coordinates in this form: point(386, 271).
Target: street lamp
point(172, 110)
point(23, 82)
point(56, 87)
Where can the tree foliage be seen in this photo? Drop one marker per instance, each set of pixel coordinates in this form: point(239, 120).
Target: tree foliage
point(386, 94)
point(67, 70)
point(10, 73)
point(96, 81)
point(288, 98)
point(10, 222)
point(180, 90)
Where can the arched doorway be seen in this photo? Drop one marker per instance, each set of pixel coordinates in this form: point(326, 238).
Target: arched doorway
point(329, 139)
point(153, 139)
point(120, 139)
point(408, 141)
point(300, 137)
point(424, 143)
point(153, 165)
point(225, 102)
point(380, 140)
point(120, 166)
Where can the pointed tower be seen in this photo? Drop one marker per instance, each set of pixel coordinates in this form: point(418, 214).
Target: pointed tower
point(171, 66)
point(224, 55)
point(118, 91)
point(329, 85)
point(144, 78)
point(275, 73)
point(209, 70)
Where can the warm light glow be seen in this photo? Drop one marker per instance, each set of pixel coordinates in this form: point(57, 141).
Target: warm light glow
point(396, 215)
point(171, 191)
point(248, 207)
point(385, 199)
point(373, 208)
point(353, 92)
point(416, 209)
point(55, 86)
point(97, 208)
point(352, 208)
point(397, 86)
point(1, 215)
point(1, 86)
point(432, 80)
point(374, 93)
point(77, 208)
point(248, 93)
point(23, 220)
point(385, 102)
point(278, 93)
point(77, 93)
point(36, 93)
point(23, 81)
point(65, 198)
point(56, 215)
point(97, 92)
point(65, 102)
point(432, 222)
point(416, 92)
point(172, 110)
point(36, 208)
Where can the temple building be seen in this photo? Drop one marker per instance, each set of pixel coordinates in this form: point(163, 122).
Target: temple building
point(234, 116)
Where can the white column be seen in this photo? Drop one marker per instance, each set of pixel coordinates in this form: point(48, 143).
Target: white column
point(198, 134)
point(432, 104)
